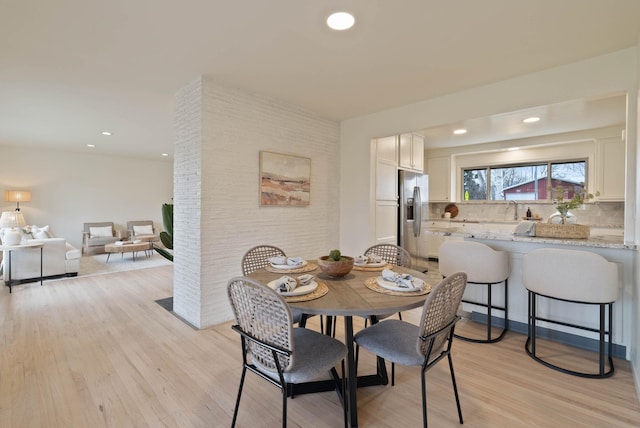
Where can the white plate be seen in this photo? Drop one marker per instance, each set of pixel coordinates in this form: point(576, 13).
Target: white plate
point(377, 264)
point(394, 287)
point(304, 263)
point(298, 291)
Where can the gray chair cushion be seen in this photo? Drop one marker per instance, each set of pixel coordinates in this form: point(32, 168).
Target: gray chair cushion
point(296, 315)
point(101, 240)
point(393, 340)
point(314, 355)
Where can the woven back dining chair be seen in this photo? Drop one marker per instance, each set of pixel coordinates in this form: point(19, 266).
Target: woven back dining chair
point(258, 258)
point(397, 256)
point(273, 349)
point(392, 254)
point(425, 344)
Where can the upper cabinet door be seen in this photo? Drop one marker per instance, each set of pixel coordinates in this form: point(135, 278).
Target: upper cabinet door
point(411, 153)
point(406, 151)
point(612, 170)
point(439, 179)
point(417, 152)
point(387, 168)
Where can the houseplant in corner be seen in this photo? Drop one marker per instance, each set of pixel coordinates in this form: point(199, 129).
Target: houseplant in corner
point(166, 236)
point(335, 264)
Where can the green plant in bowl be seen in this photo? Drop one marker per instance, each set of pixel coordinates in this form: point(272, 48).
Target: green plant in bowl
point(335, 264)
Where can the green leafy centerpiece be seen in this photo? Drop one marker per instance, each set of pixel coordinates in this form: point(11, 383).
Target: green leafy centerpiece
point(335, 264)
point(563, 206)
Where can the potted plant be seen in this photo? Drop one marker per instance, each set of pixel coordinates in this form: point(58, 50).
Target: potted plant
point(166, 236)
point(563, 206)
point(335, 264)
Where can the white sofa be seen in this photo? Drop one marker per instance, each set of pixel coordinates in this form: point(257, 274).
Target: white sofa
point(59, 258)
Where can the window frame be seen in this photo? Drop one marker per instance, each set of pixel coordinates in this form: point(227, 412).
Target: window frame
point(549, 164)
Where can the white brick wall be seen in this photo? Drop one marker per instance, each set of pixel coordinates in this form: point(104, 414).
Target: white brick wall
point(219, 191)
point(187, 184)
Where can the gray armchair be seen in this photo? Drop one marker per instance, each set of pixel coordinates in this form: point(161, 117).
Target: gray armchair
point(96, 235)
point(142, 230)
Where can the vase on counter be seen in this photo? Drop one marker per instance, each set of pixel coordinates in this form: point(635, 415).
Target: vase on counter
point(563, 218)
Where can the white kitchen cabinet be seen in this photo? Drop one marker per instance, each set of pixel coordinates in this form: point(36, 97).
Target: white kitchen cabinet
point(386, 222)
point(386, 190)
point(387, 168)
point(439, 179)
point(435, 239)
point(612, 170)
point(411, 152)
point(387, 150)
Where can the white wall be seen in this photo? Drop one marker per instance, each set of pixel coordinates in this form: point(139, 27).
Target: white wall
point(221, 132)
point(69, 188)
point(613, 73)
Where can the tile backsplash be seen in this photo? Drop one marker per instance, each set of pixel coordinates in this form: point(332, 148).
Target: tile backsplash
point(605, 214)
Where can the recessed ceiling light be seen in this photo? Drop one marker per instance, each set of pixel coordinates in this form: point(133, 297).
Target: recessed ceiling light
point(532, 119)
point(165, 154)
point(106, 133)
point(460, 131)
point(340, 21)
point(91, 145)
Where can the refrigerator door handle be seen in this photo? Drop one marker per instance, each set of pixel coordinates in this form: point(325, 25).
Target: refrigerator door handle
point(418, 211)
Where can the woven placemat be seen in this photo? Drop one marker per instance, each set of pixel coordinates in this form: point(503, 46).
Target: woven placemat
point(306, 268)
point(371, 268)
point(320, 291)
point(372, 284)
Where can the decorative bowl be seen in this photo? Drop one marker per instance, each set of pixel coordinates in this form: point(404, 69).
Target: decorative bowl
point(335, 268)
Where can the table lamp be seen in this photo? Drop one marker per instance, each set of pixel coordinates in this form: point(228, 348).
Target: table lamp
point(12, 220)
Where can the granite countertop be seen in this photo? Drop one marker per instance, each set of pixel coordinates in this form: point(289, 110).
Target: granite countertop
point(603, 241)
point(594, 241)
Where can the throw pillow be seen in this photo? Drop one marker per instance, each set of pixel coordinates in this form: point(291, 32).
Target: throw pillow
point(143, 230)
point(100, 231)
point(36, 230)
point(41, 234)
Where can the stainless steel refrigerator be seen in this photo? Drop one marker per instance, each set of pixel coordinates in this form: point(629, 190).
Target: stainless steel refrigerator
point(413, 209)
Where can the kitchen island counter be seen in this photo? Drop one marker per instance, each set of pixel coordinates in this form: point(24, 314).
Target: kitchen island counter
point(601, 237)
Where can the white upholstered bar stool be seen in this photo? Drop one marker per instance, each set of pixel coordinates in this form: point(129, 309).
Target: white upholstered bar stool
point(483, 266)
point(578, 277)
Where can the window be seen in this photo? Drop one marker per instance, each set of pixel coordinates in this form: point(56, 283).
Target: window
point(524, 182)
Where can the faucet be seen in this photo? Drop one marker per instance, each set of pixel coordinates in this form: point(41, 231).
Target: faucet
point(515, 211)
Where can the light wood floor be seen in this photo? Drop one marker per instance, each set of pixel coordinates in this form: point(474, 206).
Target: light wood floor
point(98, 352)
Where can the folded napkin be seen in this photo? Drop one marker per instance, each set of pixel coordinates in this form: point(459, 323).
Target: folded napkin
point(362, 259)
point(525, 228)
point(374, 258)
point(305, 279)
point(278, 260)
point(403, 280)
point(294, 261)
point(286, 284)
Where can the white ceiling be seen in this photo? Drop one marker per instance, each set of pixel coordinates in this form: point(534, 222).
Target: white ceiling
point(70, 69)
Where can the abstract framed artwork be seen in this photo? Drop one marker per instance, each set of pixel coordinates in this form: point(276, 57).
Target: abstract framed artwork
point(285, 180)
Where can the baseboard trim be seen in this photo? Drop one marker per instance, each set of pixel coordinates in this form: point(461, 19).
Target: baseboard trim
point(619, 351)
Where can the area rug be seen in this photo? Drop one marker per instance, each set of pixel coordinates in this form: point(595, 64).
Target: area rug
point(97, 264)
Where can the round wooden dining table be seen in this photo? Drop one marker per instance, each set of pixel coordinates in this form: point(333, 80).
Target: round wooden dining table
point(350, 297)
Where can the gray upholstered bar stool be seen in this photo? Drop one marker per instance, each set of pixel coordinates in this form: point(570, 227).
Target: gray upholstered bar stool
point(483, 266)
point(578, 277)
